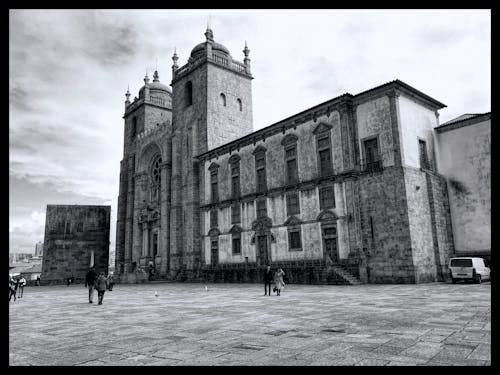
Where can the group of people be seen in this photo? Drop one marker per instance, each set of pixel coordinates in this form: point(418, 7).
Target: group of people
point(15, 285)
point(100, 282)
point(276, 277)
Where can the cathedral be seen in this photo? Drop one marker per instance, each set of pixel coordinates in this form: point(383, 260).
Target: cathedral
point(345, 192)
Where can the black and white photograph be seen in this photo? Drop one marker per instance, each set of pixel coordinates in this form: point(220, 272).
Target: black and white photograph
point(250, 187)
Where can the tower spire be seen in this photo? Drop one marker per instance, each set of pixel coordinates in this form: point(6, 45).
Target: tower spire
point(174, 58)
point(146, 78)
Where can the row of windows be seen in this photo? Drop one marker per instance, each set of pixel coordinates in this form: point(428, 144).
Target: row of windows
point(291, 166)
point(294, 241)
point(223, 101)
point(188, 97)
point(326, 201)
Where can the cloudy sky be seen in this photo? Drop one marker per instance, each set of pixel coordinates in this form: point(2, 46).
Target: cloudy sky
point(69, 70)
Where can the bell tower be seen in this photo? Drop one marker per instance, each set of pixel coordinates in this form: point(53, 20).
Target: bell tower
point(212, 105)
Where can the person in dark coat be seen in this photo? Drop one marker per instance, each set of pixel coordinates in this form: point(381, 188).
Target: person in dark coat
point(12, 288)
point(268, 278)
point(90, 280)
point(111, 282)
point(101, 286)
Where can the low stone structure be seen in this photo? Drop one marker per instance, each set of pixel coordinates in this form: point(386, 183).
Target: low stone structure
point(73, 235)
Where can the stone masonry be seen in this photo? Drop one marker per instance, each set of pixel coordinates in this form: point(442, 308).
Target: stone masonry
point(72, 234)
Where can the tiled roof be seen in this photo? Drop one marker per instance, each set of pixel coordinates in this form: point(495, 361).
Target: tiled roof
point(465, 116)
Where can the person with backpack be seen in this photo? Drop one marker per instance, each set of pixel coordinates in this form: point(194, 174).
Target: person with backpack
point(101, 286)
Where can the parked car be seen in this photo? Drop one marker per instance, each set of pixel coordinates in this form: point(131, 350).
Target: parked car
point(469, 268)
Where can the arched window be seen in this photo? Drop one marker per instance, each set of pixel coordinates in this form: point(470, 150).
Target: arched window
point(240, 104)
point(155, 179)
point(188, 92)
point(223, 99)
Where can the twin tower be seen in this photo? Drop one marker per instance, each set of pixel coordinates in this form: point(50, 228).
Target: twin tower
point(210, 104)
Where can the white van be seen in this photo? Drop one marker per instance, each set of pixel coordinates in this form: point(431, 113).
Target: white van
point(468, 268)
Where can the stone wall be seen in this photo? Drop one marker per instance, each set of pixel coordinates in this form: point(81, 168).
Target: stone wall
point(227, 123)
point(71, 234)
point(464, 158)
point(385, 227)
point(374, 120)
point(417, 122)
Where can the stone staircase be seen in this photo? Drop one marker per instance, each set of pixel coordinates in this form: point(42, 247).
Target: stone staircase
point(343, 273)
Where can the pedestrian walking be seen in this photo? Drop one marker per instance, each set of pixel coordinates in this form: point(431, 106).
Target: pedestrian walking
point(101, 286)
point(37, 282)
point(22, 284)
point(90, 280)
point(12, 288)
point(268, 278)
point(111, 282)
point(279, 283)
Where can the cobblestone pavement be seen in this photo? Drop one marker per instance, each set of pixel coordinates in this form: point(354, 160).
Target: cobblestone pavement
point(235, 324)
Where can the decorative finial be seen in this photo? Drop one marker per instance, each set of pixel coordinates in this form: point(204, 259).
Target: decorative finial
point(127, 94)
point(146, 78)
point(175, 58)
point(156, 76)
point(209, 34)
point(246, 51)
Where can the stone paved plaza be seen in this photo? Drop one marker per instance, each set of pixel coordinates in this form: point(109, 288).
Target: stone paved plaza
point(234, 324)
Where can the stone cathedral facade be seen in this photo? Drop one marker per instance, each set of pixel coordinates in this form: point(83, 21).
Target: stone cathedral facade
point(344, 192)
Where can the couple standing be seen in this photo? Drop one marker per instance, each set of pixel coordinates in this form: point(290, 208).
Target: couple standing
point(278, 280)
point(99, 282)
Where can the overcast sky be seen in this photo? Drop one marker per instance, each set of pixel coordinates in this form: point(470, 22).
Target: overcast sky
point(69, 71)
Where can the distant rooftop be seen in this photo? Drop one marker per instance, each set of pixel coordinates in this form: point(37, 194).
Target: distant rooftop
point(464, 120)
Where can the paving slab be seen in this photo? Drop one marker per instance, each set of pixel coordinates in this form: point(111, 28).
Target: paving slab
point(234, 324)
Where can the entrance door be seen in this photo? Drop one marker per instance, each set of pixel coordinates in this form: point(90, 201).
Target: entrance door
point(262, 250)
point(330, 243)
point(214, 258)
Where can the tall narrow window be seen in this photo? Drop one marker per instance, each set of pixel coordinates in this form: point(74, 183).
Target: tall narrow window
point(235, 180)
point(292, 203)
point(261, 208)
point(213, 218)
point(325, 155)
point(424, 160)
point(188, 91)
point(214, 181)
point(240, 104)
point(155, 177)
point(236, 243)
point(223, 99)
point(235, 213)
point(292, 176)
point(326, 197)
point(214, 184)
point(260, 169)
point(373, 161)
